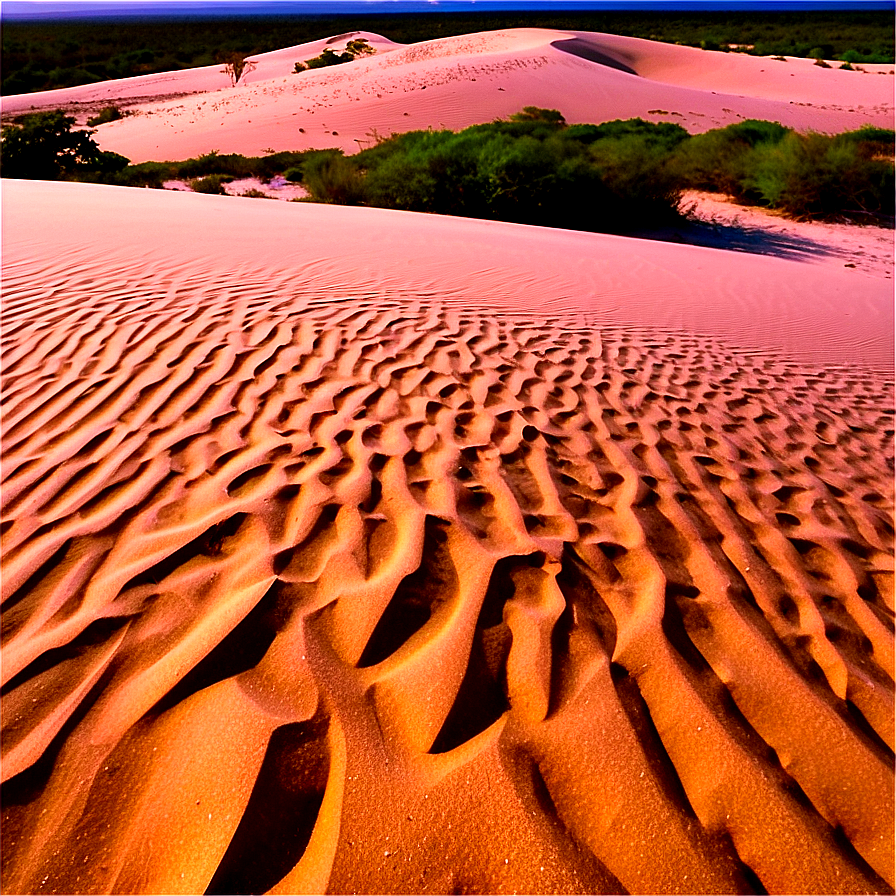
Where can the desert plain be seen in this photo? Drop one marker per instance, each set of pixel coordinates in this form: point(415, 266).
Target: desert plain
point(352, 550)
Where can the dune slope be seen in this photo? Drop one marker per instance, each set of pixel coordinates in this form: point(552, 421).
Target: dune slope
point(460, 81)
point(347, 550)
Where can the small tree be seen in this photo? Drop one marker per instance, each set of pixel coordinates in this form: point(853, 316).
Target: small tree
point(43, 146)
point(235, 66)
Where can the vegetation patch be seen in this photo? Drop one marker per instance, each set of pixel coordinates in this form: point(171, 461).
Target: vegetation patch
point(353, 49)
point(617, 177)
point(44, 146)
point(105, 115)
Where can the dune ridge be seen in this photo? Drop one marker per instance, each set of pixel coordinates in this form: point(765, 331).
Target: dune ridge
point(459, 81)
point(330, 577)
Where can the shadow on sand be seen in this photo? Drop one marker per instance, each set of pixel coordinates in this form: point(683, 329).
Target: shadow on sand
point(740, 238)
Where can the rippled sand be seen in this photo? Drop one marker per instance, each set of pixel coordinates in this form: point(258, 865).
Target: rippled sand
point(348, 550)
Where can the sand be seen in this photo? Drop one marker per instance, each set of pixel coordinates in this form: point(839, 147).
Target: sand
point(354, 550)
point(460, 81)
point(376, 552)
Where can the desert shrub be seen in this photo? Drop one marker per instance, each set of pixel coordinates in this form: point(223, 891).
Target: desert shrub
point(353, 49)
point(531, 169)
point(295, 174)
point(719, 160)
point(661, 136)
point(105, 115)
point(255, 194)
point(871, 56)
point(214, 183)
point(330, 177)
point(144, 174)
point(875, 140)
point(640, 180)
point(232, 165)
point(803, 175)
point(267, 166)
point(534, 113)
point(816, 176)
point(214, 162)
point(43, 146)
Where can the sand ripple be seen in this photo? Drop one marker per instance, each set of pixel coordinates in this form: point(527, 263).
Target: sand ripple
point(386, 595)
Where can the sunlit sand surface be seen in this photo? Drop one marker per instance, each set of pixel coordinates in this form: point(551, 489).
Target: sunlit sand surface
point(352, 550)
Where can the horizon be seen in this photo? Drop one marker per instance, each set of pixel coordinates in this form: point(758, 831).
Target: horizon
point(65, 9)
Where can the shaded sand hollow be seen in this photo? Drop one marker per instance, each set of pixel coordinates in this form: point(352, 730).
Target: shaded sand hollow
point(349, 550)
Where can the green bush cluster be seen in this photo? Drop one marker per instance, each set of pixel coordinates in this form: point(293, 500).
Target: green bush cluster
point(214, 184)
point(234, 165)
point(804, 175)
point(531, 169)
point(105, 115)
point(611, 177)
point(44, 146)
point(353, 49)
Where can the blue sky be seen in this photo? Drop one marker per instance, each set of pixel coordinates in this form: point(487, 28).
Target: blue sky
point(54, 8)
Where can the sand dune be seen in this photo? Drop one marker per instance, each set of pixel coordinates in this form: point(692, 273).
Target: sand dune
point(348, 550)
point(459, 81)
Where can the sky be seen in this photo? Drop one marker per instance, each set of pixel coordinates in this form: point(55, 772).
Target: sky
point(14, 9)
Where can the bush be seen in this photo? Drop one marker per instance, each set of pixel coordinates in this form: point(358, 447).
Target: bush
point(295, 174)
point(531, 169)
point(43, 146)
point(214, 183)
point(330, 177)
point(145, 174)
point(109, 113)
point(719, 160)
point(353, 49)
point(812, 175)
point(803, 175)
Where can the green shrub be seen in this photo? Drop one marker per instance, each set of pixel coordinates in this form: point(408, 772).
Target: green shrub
point(43, 146)
point(534, 113)
point(803, 175)
point(330, 177)
point(295, 174)
point(145, 174)
point(353, 49)
point(214, 183)
point(719, 160)
point(531, 169)
point(105, 115)
point(812, 176)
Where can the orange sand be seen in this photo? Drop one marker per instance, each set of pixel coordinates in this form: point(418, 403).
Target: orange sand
point(351, 550)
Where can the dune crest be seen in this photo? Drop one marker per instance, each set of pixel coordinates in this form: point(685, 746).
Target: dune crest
point(459, 81)
point(320, 577)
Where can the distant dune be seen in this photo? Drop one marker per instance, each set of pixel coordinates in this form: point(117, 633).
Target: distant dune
point(354, 550)
point(459, 81)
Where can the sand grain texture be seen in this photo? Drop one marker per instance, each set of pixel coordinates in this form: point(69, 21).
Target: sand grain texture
point(347, 550)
